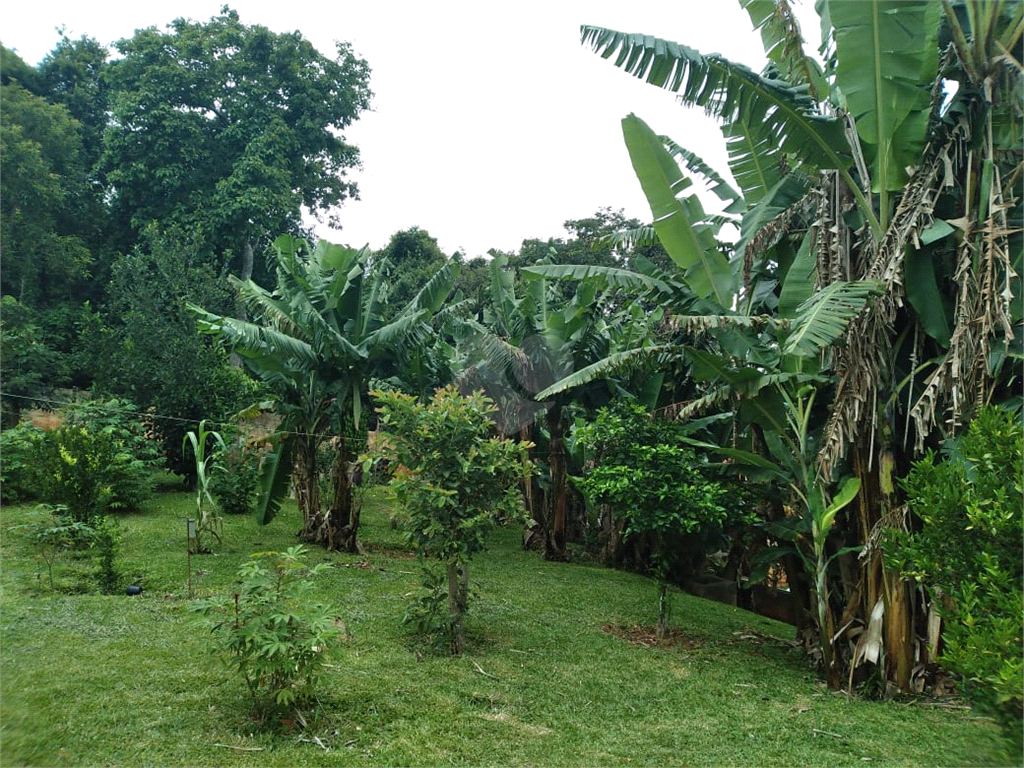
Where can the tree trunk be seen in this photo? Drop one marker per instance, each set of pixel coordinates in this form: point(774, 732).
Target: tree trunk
point(307, 490)
point(458, 589)
point(246, 274)
point(873, 505)
point(826, 625)
point(663, 609)
point(555, 549)
point(899, 630)
point(343, 518)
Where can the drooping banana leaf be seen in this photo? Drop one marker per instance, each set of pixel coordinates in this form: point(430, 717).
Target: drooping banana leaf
point(753, 160)
point(690, 244)
point(923, 294)
point(275, 475)
point(798, 285)
point(784, 44)
point(610, 277)
point(618, 361)
point(718, 186)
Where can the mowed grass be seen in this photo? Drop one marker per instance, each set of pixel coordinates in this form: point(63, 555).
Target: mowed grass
point(98, 680)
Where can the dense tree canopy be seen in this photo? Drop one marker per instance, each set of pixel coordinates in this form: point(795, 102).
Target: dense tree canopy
point(232, 128)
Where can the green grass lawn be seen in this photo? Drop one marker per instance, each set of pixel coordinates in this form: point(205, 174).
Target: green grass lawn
point(117, 680)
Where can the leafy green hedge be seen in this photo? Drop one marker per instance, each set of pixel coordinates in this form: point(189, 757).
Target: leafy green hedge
point(969, 553)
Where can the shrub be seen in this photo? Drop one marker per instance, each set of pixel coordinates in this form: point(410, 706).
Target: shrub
point(20, 479)
point(52, 533)
point(461, 480)
point(77, 467)
point(271, 633)
point(136, 456)
point(659, 491)
point(969, 553)
point(105, 542)
point(235, 479)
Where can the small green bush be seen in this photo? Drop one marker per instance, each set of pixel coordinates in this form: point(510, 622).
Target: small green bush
point(137, 456)
point(235, 480)
point(461, 481)
point(271, 632)
point(658, 488)
point(969, 553)
point(77, 467)
point(105, 542)
point(20, 479)
point(52, 533)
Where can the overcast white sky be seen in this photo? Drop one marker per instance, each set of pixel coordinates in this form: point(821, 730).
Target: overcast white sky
point(490, 122)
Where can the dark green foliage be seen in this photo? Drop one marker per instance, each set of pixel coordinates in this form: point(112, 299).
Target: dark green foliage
point(30, 364)
point(100, 458)
point(969, 554)
point(20, 479)
point(459, 481)
point(43, 192)
point(412, 257)
point(271, 632)
point(72, 75)
point(148, 349)
point(131, 482)
point(105, 542)
point(236, 475)
point(230, 128)
point(660, 490)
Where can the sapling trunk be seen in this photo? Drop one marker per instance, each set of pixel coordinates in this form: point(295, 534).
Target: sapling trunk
point(458, 587)
point(663, 609)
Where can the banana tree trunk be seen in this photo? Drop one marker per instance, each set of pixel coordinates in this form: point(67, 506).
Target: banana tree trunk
point(833, 675)
point(899, 630)
point(343, 517)
point(555, 549)
point(873, 504)
point(307, 490)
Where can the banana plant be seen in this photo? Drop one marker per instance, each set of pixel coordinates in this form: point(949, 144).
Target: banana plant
point(317, 339)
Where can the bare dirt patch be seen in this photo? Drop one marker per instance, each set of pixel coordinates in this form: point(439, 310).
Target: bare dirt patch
point(639, 634)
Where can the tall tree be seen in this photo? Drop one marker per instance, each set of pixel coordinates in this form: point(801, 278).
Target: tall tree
point(43, 183)
point(231, 128)
point(73, 75)
point(147, 348)
point(412, 256)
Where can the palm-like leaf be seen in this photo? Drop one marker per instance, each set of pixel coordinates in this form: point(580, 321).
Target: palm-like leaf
point(754, 163)
point(690, 243)
point(784, 44)
point(609, 366)
point(603, 277)
point(887, 54)
point(631, 238)
point(275, 474)
point(822, 319)
point(733, 93)
point(719, 186)
point(433, 294)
